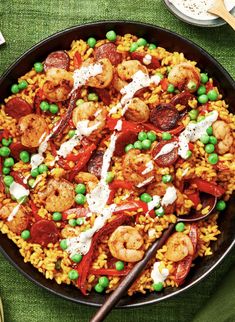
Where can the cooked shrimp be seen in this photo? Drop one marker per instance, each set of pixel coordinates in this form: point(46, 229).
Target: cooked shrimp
point(59, 195)
point(125, 243)
point(179, 246)
point(134, 167)
point(103, 79)
point(223, 133)
point(90, 111)
point(33, 129)
point(89, 179)
point(185, 76)
point(58, 85)
point(19, 221)
point(128, 68)
point(137, 111)
point(118, 83)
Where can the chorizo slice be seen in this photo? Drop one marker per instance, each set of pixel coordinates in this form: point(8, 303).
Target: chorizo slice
point(164, 116)
point(124, 138)
point(109, 51)
point(17, 147)
point(95, 163)
point(57, 59)
point(17, 107)
point(44, 232)
point(166, 159)
point(182, 98)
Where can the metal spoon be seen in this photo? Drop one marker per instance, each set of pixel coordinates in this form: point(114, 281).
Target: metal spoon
point(220, 10)
point(1, 311)
point(206, 200)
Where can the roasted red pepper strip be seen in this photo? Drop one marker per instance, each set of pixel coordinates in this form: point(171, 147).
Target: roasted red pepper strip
point(79, 212)
point(194, 197)
point(208, 187)
point(132, 205)
point(34, 209)
point(77, 60)
point(151, 127)
point(164, 83)
point(109, 272)
point(126, 125)
point(84, 267)
point(83, 157)
point(4, 134)
point(18, 178)
point(53, 149)
point(183, 267)
point(115, 185)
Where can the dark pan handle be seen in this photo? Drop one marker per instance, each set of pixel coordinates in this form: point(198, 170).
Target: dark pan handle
point(131, 277)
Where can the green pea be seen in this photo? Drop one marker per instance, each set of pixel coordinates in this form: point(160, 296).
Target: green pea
point(34, 173)
point(91, 42)
point(119, 265)
point(38, 67)
point(8, 180)
point(44, 106)
point(25, 234)
point(151, 136)
point(24, 156)
point(138, 145)
point(63, 244)
point(201, 90)
point(188, 154)
point(80, 188)
point(80, 221)
point(42, 168)
point(110, 176)
point(57, 216)
point(80, 199)
point(4, 151)
point(73, 274)
point(104, 281)
point(166, 136)
point(180, 227)
point(111, 35)
point(200, 118)
point(141, 42)
point(159, 75)
point(6, 170)
point(76, 258)
point(221, 205)
point(8, 162)
point(152, 46)
point(205, 138)
point(22, 84)
point(133, 47)
point(142, 136)
point(209, 148)
point(209, 130)
point(53, 108)
point(15, 89)
point(213, 158)
point(146, 144)
point(203, 99)
point(213, 140)
point(170, 88)
point(31, 182)
point(72, 222)
point(79, 101)
point(158, 286)
point(212, 95)
point(129, 147)
point(92, 97)
point(193, 114)
point(159, 212)
point(6, 142)
point(204, 78)
point(192, 85)
point(71, 133)
point(99, 288)
point(166, 178)
point(145, 197)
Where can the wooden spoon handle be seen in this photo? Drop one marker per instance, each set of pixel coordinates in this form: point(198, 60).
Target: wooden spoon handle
point(131, 277)
point(222, 12)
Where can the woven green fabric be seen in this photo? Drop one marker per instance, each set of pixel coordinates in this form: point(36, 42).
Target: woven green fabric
point(24, 23)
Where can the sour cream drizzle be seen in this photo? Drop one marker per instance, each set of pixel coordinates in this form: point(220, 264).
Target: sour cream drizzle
point(82, 74)
point(17, 191)
point(157, 275)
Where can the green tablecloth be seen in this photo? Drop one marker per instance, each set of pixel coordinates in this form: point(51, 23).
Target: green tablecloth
point(24, 23)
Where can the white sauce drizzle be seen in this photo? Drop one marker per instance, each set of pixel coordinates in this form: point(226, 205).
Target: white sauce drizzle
point(169, 197)
point(17, 191)
point(158, 276)
point(185, 171)
point(154, 203)
point(147, 59)
point(197, 9)
point(143, 183)
point(167, 148)
point(82, 74)
point(149, 167)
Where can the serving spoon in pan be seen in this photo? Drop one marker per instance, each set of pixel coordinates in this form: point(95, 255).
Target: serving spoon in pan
point(206, 201)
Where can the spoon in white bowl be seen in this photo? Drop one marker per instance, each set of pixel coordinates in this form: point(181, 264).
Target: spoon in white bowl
point(219, 9)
